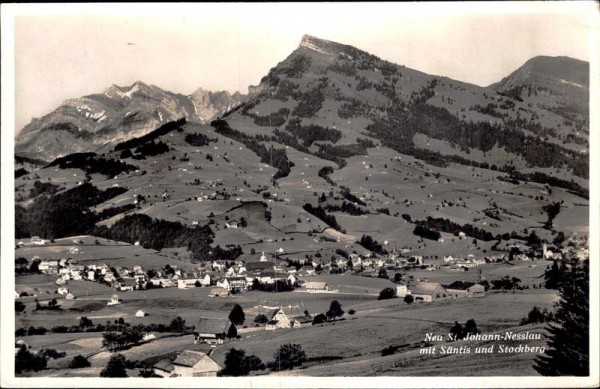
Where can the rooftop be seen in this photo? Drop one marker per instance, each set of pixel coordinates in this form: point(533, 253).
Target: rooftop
point(189, 358)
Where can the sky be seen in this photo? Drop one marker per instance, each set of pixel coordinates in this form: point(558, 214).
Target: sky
point(67, 51)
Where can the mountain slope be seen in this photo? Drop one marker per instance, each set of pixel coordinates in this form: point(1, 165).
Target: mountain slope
point(348, 91)
point(117, 114)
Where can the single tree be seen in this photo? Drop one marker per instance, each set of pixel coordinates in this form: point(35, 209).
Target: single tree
point(568, 344)
point(288, 356)
point(382, 273)
point(115, 367)
point(261, 318)
point(19, 306)
point(177, 325)
point(84, 322)
point(319, 319)
point(409, 299)
point(471, 327)
point(457, 331)
point(237, 316)
point(335, 310)
point(232, 332)
point(233, 363)
point(79, 362)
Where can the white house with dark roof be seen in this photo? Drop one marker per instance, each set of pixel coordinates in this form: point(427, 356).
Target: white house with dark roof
point(278, 320)
point(428, 292)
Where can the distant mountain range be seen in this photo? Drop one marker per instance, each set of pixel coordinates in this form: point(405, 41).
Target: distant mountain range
point(119, 113)
point(357, 96)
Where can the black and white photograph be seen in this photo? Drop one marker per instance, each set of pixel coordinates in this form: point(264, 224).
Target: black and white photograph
point(300, 194)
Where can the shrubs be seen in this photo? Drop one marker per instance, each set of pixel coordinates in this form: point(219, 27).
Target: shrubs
point(162, 130)
point(275, 119)
point(91, 163)
point(150, 149)
point(458, 332)
point(371, 244)
point(322, 214)
point(198, 139)
point(426, 233)
point(387, 293)
point(537, 315)
point(324, 173)
point(115, 367)
point(310, 102)
point(63, 214)
point(287, 357)
point(79, 362)
point(312, 132)
point(319, 319)
point(27, 361)
point(238, 364)
point(274, 157)
point(158, 234)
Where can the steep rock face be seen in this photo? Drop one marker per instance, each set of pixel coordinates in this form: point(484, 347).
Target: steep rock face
point(209, 105)
point(119, 113)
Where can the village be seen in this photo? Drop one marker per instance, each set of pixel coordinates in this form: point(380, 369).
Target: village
point(268, 272)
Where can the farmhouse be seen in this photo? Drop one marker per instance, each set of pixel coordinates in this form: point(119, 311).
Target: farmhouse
point(278, 320)
point(211, 331)
point(428, 292)
point(459, 289)
point(402, 290)
point(48, 267)
point(185, 283)
point(63, 291)
point(316, 287)
point(140, 313)
point(219, 292)
point(231, 283)
point(188, 364)
point(301, 321)
point(232, 224)
point(114, 300)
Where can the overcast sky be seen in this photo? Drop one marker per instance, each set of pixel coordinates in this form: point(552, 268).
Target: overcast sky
point(65, 52)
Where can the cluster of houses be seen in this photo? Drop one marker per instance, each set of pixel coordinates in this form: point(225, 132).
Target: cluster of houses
point(224, 277)
point(432, 291)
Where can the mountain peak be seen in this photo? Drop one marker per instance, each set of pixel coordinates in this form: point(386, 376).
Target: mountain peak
point(542, 69)
point(332, 48)
point(317, 44)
